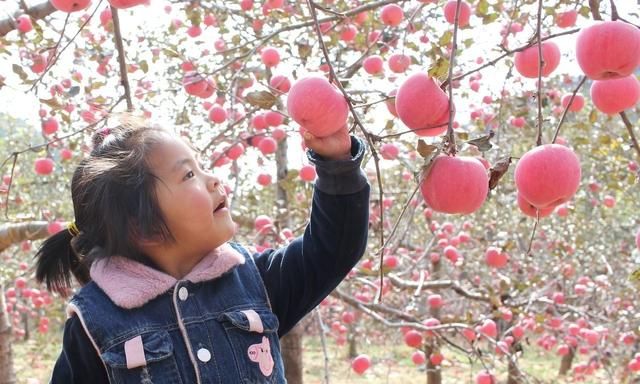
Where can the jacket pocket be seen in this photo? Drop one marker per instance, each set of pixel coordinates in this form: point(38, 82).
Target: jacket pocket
point(147, 358)
point(253, 336)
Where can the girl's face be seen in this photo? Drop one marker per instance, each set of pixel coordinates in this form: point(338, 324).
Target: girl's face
point(193, 202)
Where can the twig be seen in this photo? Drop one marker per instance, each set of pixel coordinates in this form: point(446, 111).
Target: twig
point(594, 5)
point(451, 138)
point(55, 58)
point(533, 233)
point(358, 123)
point(540, 65)
point(564, 113)
point(124, 78)
point(629, 126)
point(614, 11)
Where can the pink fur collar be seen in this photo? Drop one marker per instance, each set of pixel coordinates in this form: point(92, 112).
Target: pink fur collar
point(130, 284)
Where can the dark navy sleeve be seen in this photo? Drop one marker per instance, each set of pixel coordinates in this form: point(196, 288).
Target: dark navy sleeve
point(79, 362)
point(298, 276)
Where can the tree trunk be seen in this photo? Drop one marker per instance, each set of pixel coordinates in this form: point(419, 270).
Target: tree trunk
point(7, 375)
point(514, 374)
point(567, 360)
point(434, 374)
point(353, 343)
point(291, 345)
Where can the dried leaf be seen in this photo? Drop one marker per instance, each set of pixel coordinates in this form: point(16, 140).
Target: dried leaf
point(53, 103)
point(483, 143)
point(425, 149)
point(498, 170)
point(73, 91)
point(261, 99)
point(304, 50)
point(19, 71)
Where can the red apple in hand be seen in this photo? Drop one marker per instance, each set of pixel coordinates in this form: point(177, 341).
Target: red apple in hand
point(317, 105)
point(608, 50)
point(455, 184)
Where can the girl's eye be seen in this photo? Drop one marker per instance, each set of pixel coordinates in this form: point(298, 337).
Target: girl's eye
point(189, 175)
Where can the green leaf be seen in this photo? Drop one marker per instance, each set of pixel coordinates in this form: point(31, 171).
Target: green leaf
point(261, 99)
point(144, 66)
point(440, 69)
point(488, 19)
point(170, 52)
point(446, 38)
point(593, 116)
point(482, 8)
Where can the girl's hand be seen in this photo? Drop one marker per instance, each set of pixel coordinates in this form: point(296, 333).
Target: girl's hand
point(334, 147)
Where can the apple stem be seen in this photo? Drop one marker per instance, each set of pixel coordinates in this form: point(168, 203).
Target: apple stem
point(540, 64)
point(564, 113)
point(124, 79)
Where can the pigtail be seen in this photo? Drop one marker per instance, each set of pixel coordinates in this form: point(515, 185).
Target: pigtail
point(57, 261)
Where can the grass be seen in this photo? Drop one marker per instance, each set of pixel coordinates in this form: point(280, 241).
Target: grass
point(34, 359)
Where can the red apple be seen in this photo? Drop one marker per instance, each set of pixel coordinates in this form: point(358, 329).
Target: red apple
point(281, 83)
point(527, 64)
point(638, 239)
point(308, 173)
point(567, 19)
point(418, 357)
point(348, 32)
point(268, 145)
point(615, 95)
point(270, 57)
point(194, 84)
point(495, 258)
point(434, 301)
point(217, 114)
point(23, 23)
point(317, 105)
point(43, 166)
point(528, 209)
point(261, 221)
point(485, 377)
point(391, 103)
point(436, 358)
point(422, 105)
point(264, 179)
point(373, 65)
point(455, 184)
point(413, 338)
point(391, 14)
point(389, 151)
point(463, 16)
point(70, 5)
point(608, 50)
point(399, 62)
point(235, 151)
point(548, 175)
point(576, 104)
point(488, 328)
point(50, 126)
point(360, 364)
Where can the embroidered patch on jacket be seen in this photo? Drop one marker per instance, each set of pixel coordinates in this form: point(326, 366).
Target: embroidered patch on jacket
point(261, 354)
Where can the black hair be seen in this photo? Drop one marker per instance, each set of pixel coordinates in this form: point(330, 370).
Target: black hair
point(114, 203)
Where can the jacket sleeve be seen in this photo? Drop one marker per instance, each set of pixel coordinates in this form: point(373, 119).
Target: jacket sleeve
point(78, 363)
point(298, 276)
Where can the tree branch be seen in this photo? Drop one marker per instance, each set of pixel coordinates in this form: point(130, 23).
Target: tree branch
point(124, 78)
point(36, 12)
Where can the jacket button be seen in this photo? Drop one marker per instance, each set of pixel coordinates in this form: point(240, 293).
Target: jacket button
point(183, 293)
point(204, 355)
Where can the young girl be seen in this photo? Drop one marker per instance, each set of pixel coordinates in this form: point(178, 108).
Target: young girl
point(166, 297)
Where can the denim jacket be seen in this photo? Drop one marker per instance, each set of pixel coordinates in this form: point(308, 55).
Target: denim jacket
point(222, 322)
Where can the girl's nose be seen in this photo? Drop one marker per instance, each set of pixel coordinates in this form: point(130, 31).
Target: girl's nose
point(213, 182)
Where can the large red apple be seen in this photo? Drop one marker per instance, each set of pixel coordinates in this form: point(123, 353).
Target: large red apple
point(126, 3)
point(527, 61)
point(455, 184)
point(567, 19)
point(615, 95)
point(391, 14)
point(548, 175)
point(317, 105)
point(70, 5)
point(422, 105)
point(576, 104)
point(43, 166)
point(608, 50)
